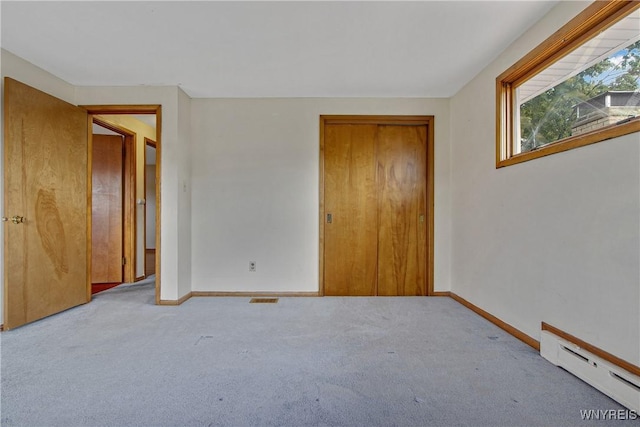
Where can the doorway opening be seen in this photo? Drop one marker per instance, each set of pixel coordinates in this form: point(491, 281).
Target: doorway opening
point(119, 119)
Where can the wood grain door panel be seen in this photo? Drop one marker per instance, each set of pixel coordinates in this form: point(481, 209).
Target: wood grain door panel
point(350, 198)
point(375, 189)
point(46, 182)
point(402, 198)
point(107, 209)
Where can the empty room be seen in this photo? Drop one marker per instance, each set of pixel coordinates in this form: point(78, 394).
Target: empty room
point(336, 213)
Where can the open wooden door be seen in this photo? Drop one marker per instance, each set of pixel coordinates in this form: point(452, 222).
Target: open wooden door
point(46, 190)
point(107, 209)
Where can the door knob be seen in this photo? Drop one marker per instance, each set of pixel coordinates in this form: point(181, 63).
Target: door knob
point(14, 219)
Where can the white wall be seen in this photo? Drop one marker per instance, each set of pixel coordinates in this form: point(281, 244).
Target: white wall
point(17, 68)
point(184, 218)
point(256, 189)
point(555, 239)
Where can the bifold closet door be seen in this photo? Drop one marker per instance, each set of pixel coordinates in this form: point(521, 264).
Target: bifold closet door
point(402, 195)
point(351, 210)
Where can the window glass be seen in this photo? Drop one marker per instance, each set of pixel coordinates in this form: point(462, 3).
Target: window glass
point(594, 86)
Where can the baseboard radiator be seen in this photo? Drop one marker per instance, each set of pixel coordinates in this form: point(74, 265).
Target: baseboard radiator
point(611, 379)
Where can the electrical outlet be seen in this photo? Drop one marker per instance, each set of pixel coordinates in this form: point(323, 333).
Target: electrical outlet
point(252, 266)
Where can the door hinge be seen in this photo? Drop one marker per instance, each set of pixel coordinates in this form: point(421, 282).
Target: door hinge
point(124, 261)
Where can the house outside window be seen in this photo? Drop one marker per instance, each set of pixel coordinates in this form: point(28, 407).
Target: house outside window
point(605, 109)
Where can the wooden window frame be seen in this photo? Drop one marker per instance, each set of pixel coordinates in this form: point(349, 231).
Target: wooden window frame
point(597, 17)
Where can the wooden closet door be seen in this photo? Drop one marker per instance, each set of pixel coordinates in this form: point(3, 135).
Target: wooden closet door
point(107, 209)
point(350, 247)
point(401, 194)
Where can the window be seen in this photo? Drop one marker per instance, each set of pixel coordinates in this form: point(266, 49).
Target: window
point(580, 86)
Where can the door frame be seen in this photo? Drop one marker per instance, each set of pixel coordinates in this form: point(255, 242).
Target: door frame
point(154, 145)
point(129, 196)
point(384, 120)
point(156, 109)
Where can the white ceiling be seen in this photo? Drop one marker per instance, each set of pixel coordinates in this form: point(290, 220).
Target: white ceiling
point(269, 49)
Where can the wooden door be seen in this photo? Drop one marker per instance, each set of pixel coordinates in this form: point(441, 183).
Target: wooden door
point(375, 191)
point(45, 183)
point(402, 194)
point(350, 200)
point(107, 209)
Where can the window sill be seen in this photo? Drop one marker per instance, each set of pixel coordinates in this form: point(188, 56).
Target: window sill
point(609, 132)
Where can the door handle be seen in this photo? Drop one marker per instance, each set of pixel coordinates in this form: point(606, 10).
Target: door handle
point(14, 219)
point(329, 218)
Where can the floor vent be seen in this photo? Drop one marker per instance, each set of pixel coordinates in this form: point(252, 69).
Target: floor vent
point(617, 383)
point(263, 300)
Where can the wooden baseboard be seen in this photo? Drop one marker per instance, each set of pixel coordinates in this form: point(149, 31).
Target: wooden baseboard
point(253, 294)
point(235, 294)
point(140, 278)
point(1, 327)
point(440, 294)
point(175, 302)
point(499, 323)
point(605, 355)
